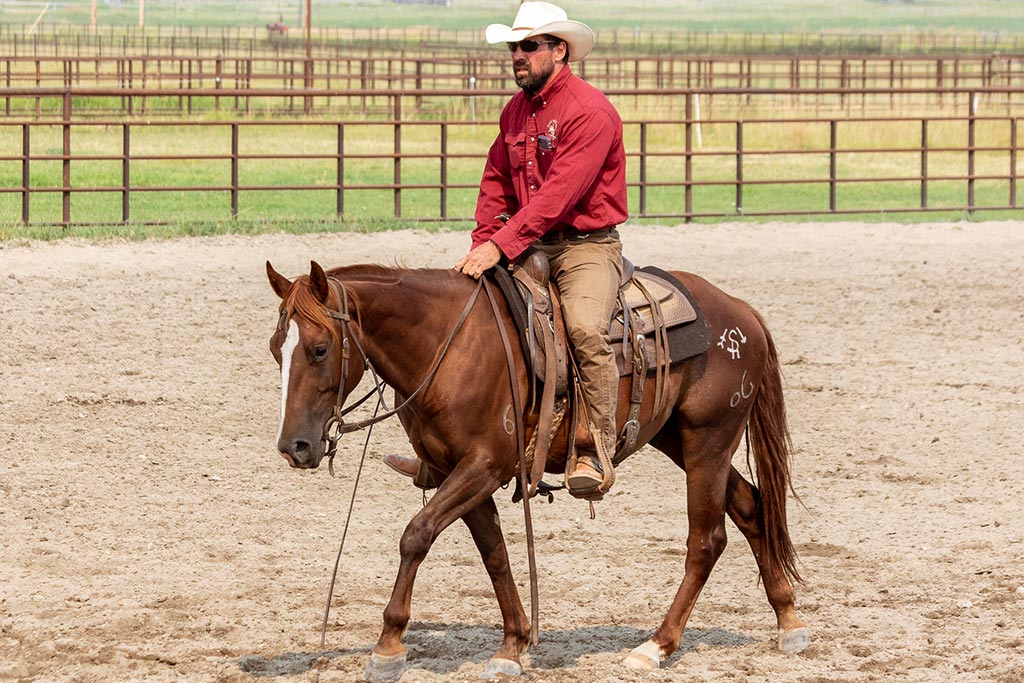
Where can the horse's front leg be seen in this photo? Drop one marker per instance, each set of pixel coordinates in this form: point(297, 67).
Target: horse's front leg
point(485, 527)
point(465, 489)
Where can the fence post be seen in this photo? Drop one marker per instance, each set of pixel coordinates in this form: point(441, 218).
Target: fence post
point(234, 170)
point(1013, 163)
point(444, 171)
point(125, 171)
point(643, 168)
point(688, 159)
point(832, 129)
point(739, 167)
point(26, 148)
point(972, 104)
point(924, 163)
point(398, 155)
point(341, 172)
point(218, 73)
point(66, 161)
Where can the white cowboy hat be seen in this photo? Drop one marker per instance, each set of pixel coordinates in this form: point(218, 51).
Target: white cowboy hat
point(543, 18)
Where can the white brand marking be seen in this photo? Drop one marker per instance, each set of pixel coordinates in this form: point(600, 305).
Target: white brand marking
point(735, 337)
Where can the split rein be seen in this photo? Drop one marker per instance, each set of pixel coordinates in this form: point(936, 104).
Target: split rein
point(336, 422)
point(336, 426)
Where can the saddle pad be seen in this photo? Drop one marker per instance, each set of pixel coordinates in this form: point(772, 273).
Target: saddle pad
point(675, 309)
point(685, 340)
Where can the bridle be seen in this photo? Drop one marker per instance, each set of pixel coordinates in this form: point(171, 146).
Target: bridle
point(335, 425)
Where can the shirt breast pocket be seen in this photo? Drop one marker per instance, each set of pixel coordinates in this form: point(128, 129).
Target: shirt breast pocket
point(516, 145)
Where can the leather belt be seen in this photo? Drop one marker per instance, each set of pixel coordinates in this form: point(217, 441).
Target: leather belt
point(573, 235)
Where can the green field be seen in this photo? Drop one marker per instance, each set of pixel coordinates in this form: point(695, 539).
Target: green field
point(754, 16)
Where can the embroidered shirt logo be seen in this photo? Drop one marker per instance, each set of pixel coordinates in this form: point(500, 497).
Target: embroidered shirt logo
point(552, 129)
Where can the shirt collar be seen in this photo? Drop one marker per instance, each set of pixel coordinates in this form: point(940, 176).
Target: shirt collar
point(553, 86)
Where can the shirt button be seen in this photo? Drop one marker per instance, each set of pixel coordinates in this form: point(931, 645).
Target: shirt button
point(533, 187)
point(529, 163)
point(533, 115)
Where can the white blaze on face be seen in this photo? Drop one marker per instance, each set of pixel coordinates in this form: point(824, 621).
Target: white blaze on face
point(288, 352)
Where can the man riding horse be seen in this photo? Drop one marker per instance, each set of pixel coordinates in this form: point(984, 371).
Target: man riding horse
point(555, 183)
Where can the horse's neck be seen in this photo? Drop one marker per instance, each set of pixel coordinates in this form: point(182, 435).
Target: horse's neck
point(406, 319)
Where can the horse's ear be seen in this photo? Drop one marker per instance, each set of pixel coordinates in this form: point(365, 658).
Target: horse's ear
point(318, 282)
point(279, 283)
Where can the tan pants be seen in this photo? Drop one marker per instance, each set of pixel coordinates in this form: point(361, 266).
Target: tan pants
point(587, 273)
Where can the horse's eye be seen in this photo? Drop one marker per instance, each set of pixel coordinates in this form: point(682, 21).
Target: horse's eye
point(320, 353)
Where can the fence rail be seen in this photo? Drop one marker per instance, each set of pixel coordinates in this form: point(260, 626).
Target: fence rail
point(491, 72)
point(21, 39)
point(686, 167)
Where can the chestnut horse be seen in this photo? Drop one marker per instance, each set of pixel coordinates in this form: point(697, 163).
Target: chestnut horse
point(438, 345)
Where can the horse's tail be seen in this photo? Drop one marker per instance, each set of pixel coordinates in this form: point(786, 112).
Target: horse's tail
point(772, 448)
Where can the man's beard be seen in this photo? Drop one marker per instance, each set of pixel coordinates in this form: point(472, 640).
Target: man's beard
point(533, 80)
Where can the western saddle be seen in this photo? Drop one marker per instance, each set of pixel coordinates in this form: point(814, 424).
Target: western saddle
point(651, 307)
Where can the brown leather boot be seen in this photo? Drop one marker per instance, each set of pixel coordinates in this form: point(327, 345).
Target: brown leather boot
point(587, 474)
point(421, 473)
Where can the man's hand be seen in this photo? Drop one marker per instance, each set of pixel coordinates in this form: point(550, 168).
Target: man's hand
point(480, 259)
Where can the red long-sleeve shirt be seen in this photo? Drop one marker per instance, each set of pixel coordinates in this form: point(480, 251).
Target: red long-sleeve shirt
point(558, 162)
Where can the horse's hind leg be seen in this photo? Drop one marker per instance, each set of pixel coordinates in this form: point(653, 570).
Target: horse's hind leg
point(741, 505)
point(485, 528)
point(706, 478)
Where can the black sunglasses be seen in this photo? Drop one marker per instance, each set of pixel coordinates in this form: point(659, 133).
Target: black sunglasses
point(530, 45)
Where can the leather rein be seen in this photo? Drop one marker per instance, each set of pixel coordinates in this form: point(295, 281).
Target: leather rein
point(338, 426)
point(335, 425)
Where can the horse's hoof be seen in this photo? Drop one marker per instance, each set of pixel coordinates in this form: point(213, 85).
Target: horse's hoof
point(498, 666)
point(646, 657)
point(794, 641)
point(384, 668)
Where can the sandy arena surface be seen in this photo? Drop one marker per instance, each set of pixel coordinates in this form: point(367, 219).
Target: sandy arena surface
point(150, 532)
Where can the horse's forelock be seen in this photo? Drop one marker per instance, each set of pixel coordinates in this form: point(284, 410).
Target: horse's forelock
point(301, 303)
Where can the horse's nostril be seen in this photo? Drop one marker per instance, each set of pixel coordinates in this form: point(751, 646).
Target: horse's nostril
point(301, 447)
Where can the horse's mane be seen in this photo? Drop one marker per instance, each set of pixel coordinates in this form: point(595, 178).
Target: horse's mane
point(301, 301)
point(369, 272)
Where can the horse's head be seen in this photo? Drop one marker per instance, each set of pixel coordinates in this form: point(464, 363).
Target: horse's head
point(309, 344)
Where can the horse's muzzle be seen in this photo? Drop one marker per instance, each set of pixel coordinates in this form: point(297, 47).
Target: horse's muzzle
point(302, 455)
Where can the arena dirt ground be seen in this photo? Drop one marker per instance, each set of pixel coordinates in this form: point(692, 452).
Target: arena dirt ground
point(150, 532)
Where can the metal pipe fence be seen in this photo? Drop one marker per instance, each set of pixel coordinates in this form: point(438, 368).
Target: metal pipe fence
point(60, 40)
point(402, 168)
point(395, 72)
